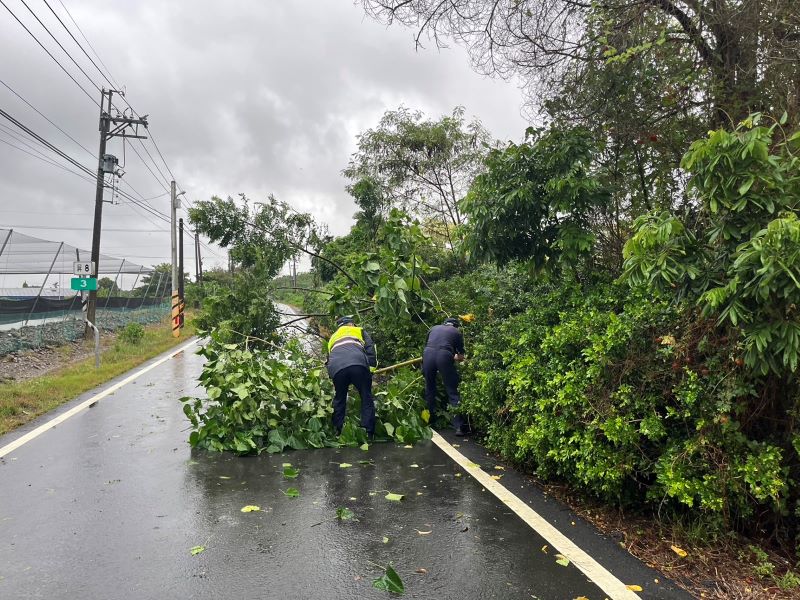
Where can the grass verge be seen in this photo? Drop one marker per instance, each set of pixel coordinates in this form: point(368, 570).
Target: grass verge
point(24, 401)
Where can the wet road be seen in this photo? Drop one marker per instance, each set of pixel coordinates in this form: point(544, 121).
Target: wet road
point(109, 503)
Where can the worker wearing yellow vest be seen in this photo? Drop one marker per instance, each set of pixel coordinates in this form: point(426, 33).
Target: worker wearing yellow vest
point(351, 355)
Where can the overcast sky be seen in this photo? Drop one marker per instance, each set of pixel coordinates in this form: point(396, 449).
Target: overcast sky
point(255, 97)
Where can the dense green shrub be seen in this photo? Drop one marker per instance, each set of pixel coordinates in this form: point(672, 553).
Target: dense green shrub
point(627, 398)
point(132, 333)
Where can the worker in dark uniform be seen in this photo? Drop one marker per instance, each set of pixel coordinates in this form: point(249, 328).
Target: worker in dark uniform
point(351, 354)
point(445, 347)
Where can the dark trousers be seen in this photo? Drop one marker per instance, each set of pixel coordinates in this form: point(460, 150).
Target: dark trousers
point(361, 378)
point(441, 361)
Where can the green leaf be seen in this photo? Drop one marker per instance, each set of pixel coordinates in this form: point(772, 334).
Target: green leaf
point(197, 550)
point(292, 492)
point(290, 472)
point(390, 582)
point(562, 560)
point(250, 508)
point(394, 497)
point(364, 446)
point(345, 465)
point(385, 540)
point(344, 514)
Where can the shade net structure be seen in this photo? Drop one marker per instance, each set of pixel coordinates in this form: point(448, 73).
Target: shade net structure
point(22, 254)
point(40, 319)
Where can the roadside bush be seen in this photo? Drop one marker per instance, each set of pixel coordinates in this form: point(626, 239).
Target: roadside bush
point(132, 334)
point(628, 398)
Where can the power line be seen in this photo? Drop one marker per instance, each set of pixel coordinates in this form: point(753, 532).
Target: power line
point(45, 117)
point(55, 39)
point(39, 138)
point(117, 86)
point(75, 81)
point(132, 147)
point(78, 43)
point(151, 156)
point(69, 228)
point(45, 160)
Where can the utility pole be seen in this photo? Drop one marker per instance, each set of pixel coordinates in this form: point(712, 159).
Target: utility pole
point(198, 260)
point(180, 272)
point(173, 214)
point(106, 164)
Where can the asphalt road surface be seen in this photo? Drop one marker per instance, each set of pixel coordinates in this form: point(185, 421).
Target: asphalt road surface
point(110, 502)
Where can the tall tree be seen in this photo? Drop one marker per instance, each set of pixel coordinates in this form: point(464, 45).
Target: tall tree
point(420, 165)
point(745, 49)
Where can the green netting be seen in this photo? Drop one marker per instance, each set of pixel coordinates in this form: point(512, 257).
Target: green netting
point(55, 329)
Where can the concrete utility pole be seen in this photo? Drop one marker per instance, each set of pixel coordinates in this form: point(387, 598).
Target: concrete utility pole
point(173, 214)
point(180, 271)
point(106, 164)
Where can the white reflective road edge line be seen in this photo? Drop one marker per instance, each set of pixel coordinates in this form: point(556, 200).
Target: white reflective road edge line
point(607, 582)
point(76, 409)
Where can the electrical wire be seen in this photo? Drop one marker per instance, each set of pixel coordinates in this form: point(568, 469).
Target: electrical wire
point(46, 160)
point(39, 138)
point(75, 81)
point(46, 118)
point(55, 39)
point(78, 43)
point(116, 85)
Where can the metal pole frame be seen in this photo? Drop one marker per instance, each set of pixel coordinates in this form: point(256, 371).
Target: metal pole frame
point(50, 270)
point(149, 283)
point(122, 264)
point(158, 287)
point(133, 288)
point(8, 237)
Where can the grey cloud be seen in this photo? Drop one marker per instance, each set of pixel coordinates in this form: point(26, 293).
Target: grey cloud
point(248, 96)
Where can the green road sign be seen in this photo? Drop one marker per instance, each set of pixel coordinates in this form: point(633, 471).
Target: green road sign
point(83, 283)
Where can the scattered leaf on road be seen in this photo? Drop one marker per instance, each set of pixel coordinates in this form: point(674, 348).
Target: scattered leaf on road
point(421, 571)
point(385, 540)
point(364, 446)
point(390, 581)
point(197, 549)
point(634, 588)
point(224, 477)
point(394, 497)
point(408, 446)
point(544, 548)
point(251, 508)
point(496, 477)
point(290, 472)
point(292, 492)
point(562, 560)
point(344, 514)
point(284, 465)
point(499, 468)
point(679, 551)
point(345, 465)
point(414, 466)
point(424, 532)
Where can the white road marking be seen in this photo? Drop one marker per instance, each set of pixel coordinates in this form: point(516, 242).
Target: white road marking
point(607, 582)
point(76, 409)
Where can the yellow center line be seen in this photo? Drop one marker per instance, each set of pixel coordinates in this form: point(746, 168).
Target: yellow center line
point(603, 578)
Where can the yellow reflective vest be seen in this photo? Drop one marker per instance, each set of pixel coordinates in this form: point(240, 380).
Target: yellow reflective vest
point(346, 334)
